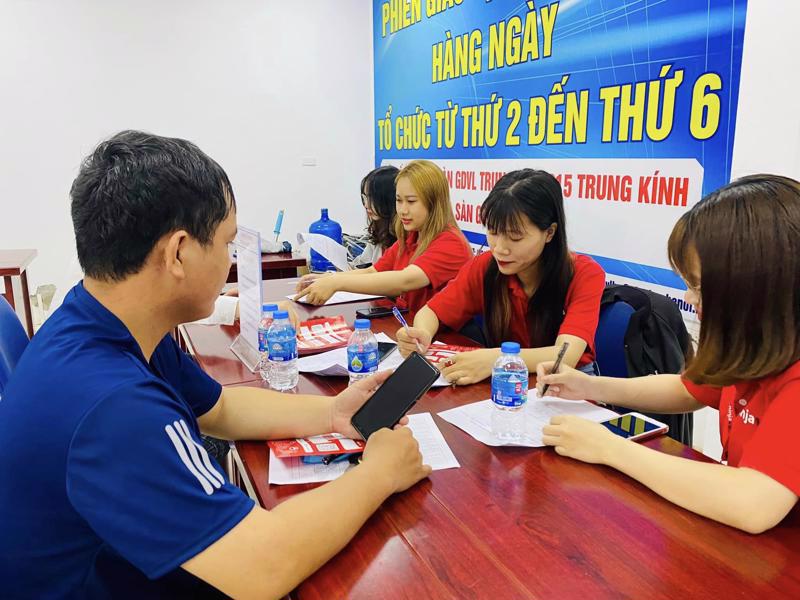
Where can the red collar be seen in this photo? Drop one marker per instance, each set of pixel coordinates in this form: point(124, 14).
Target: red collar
point(516, 289)
point(411, 240)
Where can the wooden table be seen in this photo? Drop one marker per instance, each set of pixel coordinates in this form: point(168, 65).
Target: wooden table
point(14, 263)
point(274, 266)
point(521, 522)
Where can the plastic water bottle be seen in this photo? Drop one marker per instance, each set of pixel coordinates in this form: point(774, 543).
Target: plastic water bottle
point(362, 351)
point(509, 393)
point(267, 314)
point(282, 344)
point(330, 228)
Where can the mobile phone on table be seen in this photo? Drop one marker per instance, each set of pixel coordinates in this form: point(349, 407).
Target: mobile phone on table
point(385, 349)
point(635, 426)
point(396, 396)
point(376, 312)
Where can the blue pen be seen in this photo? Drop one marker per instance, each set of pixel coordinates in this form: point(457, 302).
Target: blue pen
point(398, 315)
point(278, 224)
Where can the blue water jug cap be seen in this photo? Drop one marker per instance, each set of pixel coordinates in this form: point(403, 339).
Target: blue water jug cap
point(324, 213)
point(362, 323)
point(269, 307)
point(284, 314)
point(509, 348)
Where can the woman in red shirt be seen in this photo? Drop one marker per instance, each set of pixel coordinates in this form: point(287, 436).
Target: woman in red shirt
point(529, 289)
point(429, 251)
point(739, 252)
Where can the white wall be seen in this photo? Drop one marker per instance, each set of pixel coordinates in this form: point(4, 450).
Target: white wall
point(259, 85)
point(767, 124)
point(768, 120)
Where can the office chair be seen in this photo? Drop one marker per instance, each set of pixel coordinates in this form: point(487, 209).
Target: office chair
point(609, 339)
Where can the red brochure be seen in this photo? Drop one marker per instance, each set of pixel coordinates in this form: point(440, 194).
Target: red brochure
point(322, 334)
point(318, 445)
point(440, 352)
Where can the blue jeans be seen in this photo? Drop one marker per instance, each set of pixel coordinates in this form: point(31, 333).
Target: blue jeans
point(590, 369)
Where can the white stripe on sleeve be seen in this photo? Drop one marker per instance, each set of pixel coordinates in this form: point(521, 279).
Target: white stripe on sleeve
point(176, 441)
point(203, 455)
point(183, 431)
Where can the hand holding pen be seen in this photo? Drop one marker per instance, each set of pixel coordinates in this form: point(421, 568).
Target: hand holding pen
point(398, 315)
point(557, 364)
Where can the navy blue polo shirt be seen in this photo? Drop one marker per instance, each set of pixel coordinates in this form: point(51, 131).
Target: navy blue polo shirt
point(106, 488)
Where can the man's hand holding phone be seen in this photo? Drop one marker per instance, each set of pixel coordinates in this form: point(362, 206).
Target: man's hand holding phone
point(347, 403)
point(394, 454)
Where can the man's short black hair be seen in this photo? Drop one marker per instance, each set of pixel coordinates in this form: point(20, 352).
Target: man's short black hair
point(135, 188)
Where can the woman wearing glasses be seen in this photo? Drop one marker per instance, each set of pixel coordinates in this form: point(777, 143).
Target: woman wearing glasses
point(429, 251)
point(378, 200)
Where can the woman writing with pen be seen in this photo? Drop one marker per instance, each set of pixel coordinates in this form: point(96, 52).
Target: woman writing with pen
point(738, 250)
point(429, 251)
point(528, 289)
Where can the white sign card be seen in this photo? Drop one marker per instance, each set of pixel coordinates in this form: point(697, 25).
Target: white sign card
point(248, 268)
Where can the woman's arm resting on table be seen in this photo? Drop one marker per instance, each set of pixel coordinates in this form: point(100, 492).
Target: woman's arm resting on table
point(385, 283)
point(740, 497)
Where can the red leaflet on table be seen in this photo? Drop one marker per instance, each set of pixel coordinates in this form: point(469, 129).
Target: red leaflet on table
point(322, 334)
point(318, 445)
point(440, 352)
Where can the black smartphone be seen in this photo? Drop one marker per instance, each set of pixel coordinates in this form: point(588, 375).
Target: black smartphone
point(385, 349)
point(396, 396)
point(376, 312)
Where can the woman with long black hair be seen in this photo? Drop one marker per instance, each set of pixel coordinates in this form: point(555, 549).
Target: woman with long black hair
point(528, 289)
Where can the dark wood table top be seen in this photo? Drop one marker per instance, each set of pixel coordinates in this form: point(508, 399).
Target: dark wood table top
point(281, 260)
point(14, 262)
point(525, 522)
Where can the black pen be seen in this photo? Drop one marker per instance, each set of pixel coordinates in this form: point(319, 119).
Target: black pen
point(329, 458)
point(559, 358)
point(353, 457)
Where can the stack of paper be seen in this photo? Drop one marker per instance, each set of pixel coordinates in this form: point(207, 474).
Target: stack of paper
point(476, 418)
point(328, 248)
point(432, 445)
point(334, 362)
point(340, 298)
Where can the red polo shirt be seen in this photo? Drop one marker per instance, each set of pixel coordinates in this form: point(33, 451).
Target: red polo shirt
point(758, 423)
point(441, 261)
point(463, 299)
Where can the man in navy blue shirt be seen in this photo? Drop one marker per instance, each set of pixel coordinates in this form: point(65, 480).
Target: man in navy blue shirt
point(107, 490)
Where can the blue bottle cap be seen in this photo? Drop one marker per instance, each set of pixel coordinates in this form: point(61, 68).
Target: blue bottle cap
point(509, 348)
point(269, 307)
point(362, 323)
point(284, 314)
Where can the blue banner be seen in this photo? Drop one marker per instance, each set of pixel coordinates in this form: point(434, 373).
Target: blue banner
point(630, 103)
point(672, 66)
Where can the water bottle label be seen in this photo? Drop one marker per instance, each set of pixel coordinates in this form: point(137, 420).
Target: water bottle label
point(283, 350)
point(362, 362)
point(512, 392)
point(262, 340)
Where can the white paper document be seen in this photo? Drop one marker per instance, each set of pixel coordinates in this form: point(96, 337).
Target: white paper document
point(322, 244)
point(340, 298)
point(476, 418)
point(432, 445)
point(334, 362)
